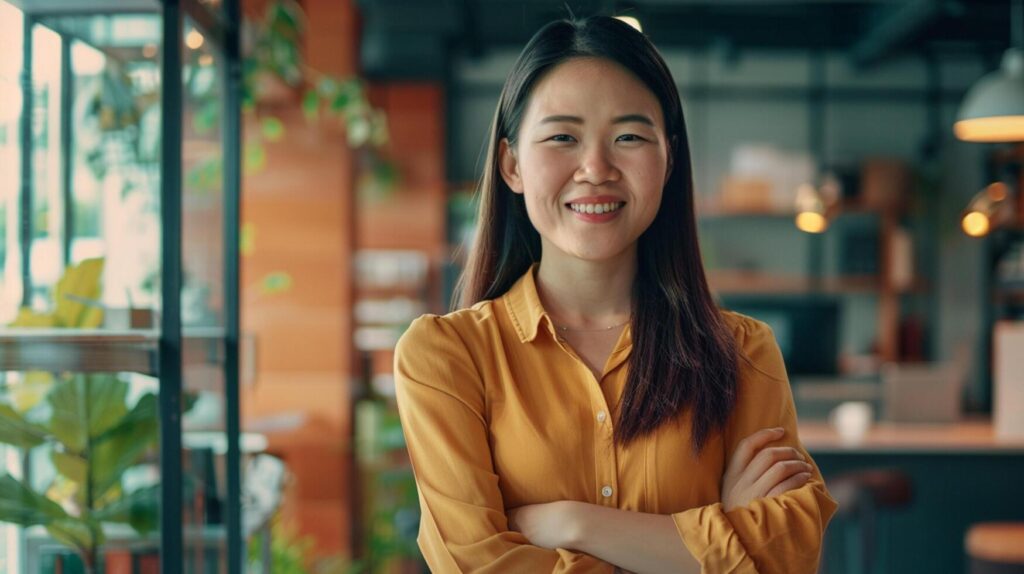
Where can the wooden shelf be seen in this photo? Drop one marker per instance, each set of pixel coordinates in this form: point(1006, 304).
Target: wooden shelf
point(713, 211)
point(739, 282)
point(101, 350)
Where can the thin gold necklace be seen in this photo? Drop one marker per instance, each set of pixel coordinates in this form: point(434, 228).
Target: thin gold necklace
point(564, 328)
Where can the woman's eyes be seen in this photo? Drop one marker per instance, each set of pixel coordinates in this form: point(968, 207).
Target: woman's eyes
point(566, 138)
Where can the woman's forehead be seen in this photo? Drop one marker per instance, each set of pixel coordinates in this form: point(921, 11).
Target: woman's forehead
point(591, 88)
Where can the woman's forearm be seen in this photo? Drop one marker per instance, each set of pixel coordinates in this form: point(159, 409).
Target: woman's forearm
point(635, 541)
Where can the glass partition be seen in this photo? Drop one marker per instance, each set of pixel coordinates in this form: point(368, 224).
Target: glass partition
point(87, 394)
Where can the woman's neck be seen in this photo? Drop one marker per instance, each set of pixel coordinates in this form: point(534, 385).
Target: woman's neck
point(587, 294)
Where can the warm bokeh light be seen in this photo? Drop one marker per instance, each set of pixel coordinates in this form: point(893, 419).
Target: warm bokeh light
point(993, 129)
point(997, 191)
point(975, 224)
point(149, 51)
point(206, 60)
point(811, 222)
point(194, 39)
point(631, 21)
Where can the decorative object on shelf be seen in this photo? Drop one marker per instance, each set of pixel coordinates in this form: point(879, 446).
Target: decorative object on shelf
point(993, 110)
point(810, 210)
point(988, 208)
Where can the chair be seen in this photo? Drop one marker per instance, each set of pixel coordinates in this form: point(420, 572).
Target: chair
point(995, 548)
point(862, 495)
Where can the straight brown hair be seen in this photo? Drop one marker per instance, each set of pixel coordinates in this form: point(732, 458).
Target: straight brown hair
point(684, 355)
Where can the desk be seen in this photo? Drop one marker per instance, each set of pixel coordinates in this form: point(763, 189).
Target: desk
point(970, 436)
point(962, 474)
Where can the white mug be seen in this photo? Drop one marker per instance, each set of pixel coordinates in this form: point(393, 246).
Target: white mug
point(851, 420)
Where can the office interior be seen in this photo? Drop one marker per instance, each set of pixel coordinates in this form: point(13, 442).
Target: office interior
point(217, 217)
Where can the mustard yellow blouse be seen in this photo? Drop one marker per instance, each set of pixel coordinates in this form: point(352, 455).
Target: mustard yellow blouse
point(497, 413)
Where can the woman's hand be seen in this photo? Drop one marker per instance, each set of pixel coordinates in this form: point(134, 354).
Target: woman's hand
point(758, 472)
point(546, 525)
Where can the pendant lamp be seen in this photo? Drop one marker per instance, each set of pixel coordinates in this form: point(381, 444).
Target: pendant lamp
point(993, 110)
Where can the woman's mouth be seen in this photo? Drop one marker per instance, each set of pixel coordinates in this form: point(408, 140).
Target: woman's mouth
point(596, 212)
point(597, 208)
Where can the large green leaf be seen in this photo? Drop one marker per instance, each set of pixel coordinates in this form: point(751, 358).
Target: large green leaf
point(23, 506)
point(16, 431)
point(72, 466)
point(122, 446)
point(86, 406)
point(140, 509)
point(76, 532)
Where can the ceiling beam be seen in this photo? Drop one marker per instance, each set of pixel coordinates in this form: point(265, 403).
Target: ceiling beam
point(896, 26)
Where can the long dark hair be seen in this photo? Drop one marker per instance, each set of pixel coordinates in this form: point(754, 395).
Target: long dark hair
point(684, 354)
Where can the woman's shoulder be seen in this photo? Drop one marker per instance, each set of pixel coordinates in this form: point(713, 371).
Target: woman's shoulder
point(743, 326)
point(462, 326)
point(756, 344)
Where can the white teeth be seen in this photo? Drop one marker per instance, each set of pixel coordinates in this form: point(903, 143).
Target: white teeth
point(596, 208)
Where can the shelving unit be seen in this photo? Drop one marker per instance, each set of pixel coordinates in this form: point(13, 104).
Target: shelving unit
point(1003, 300)
point(814, 281)
point(200, 247)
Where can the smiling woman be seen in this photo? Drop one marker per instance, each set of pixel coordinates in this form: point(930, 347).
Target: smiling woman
point(589, 408)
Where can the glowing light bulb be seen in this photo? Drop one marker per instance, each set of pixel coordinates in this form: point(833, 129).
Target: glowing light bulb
point(975, 224)
point(811, 222)
point(194, 39)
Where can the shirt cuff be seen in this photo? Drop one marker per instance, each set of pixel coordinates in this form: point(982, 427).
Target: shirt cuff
point(711, 538)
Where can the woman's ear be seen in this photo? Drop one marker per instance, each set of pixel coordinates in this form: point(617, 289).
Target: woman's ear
point(509, 166)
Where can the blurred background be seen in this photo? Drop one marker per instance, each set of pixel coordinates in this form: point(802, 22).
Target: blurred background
point(218, 216)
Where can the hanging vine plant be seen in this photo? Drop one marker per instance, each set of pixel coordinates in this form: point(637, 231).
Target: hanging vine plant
point(275, 73)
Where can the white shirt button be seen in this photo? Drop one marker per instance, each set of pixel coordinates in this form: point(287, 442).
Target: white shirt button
point(606, 491)
point(601, 416)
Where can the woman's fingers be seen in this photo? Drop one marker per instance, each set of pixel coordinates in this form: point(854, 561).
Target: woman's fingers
point(748, 447)
point(765, 460)
point(779, 473)
point(791, 483)
point(768, 457)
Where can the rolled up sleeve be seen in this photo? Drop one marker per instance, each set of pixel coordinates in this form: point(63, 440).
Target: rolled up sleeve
point(779, 534)
point(441, 403)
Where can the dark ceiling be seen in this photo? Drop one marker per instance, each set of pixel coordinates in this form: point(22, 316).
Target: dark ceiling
point(414, 37)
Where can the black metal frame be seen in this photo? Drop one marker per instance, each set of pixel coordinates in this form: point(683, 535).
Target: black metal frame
point(232, 130)
point(225, 33)
point(172, 546)
point(25, 128)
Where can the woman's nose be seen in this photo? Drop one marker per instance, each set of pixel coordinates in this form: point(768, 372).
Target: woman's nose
point(596, 166)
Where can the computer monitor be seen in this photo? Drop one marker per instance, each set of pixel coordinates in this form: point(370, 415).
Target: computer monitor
point(806, 328)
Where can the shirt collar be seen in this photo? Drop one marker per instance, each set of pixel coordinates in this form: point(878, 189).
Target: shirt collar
point(524, 306)
point(527, 312)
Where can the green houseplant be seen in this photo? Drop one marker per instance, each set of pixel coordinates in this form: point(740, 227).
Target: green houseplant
point(91, 429)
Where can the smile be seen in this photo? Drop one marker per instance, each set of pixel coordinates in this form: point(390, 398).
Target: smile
point(596, 208)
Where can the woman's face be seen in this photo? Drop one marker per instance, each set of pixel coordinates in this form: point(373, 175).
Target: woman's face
point(591, 159)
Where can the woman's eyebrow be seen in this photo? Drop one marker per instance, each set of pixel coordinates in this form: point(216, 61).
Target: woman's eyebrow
point(559, 119)
point(628, 118)
point(633, 118)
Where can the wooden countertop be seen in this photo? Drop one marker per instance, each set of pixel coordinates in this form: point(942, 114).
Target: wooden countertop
point(969, 436)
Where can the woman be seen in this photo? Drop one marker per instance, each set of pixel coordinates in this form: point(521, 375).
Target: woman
point(590, 409)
